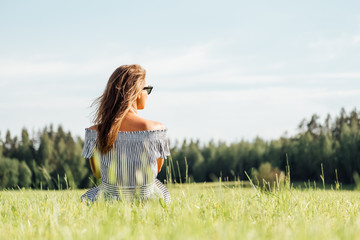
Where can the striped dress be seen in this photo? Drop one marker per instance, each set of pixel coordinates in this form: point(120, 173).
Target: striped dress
point(129, 170)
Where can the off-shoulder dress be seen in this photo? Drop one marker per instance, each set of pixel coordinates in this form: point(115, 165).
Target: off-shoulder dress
point(129, 170)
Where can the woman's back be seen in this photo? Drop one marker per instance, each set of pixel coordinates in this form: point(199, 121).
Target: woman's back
point(130, 150)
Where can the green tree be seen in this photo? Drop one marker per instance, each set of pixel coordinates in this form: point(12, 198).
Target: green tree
point(25, 174)
point(26, 150)
point(9, 173)
point(46, 157)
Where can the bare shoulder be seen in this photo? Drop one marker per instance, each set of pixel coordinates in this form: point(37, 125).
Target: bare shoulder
point(149, 125)
point(94, 127)
point(153, 125)
point(137, 123)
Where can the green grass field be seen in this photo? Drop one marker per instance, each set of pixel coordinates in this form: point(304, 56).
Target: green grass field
point(197, 211)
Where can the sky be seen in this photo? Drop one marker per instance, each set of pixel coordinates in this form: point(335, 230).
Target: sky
point(221, 70)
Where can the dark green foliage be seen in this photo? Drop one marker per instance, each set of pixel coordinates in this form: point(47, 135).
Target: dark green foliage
point(335, 145)
point(52, 159)
point(24, 179)
point(9, 172)
point(43, 161)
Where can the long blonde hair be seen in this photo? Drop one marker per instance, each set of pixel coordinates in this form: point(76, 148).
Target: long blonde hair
point(121, 91)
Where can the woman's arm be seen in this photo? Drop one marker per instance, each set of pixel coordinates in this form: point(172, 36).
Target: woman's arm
point(95, 166)
point(160, 162)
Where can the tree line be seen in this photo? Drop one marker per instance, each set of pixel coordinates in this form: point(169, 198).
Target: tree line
point(52, 159)
point(330, 149)
point(49, 160)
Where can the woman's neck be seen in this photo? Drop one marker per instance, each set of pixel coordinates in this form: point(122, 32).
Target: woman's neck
point(133, 111)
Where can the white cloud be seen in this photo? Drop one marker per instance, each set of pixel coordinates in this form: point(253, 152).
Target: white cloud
point(48, 68)
point(343, 75)
point(188, 60)
point(342, 41)
point(331, 48)
point(197, 64)
point(356, 39)
point(22, 69)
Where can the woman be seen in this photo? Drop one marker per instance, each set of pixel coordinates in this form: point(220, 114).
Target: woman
point(131, 150)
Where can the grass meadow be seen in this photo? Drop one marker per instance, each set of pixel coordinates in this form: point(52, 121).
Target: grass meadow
point(197, 211)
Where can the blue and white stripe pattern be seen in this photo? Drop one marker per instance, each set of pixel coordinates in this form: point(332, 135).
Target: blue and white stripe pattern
point(129, 170)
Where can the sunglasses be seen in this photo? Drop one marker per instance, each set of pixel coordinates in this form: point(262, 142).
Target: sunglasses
point(148, 89)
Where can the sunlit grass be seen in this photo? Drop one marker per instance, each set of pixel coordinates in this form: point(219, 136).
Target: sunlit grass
point(196, 212)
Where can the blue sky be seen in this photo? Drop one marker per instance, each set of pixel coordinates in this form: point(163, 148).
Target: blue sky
point(226, 70)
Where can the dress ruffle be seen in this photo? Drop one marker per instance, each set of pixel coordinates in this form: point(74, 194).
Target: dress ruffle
point(158, 191)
